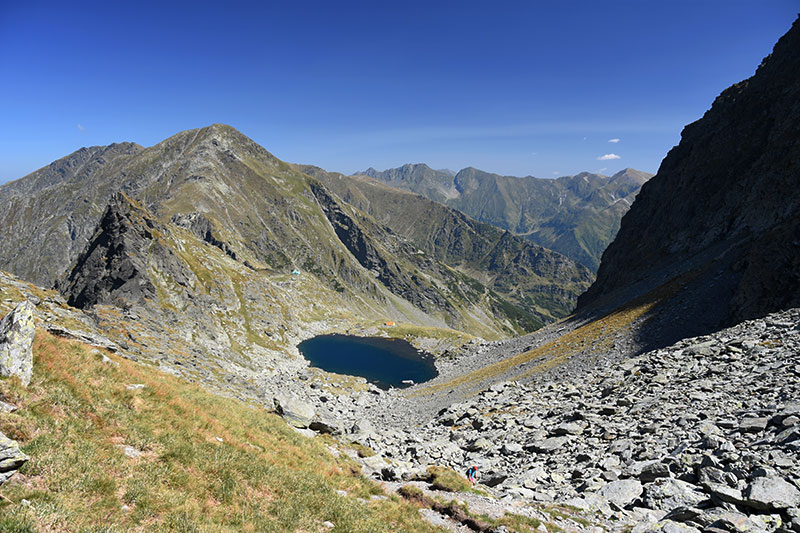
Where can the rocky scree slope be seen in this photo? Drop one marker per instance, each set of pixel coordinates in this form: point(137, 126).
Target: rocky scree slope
point(574, 215)
point(724, 207)
point(536, 280)
point(701, 434)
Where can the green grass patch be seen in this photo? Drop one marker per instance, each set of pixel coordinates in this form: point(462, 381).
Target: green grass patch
point(447, 479)
point(361, 450)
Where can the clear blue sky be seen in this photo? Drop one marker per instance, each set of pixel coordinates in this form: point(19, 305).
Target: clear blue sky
point(512, 87)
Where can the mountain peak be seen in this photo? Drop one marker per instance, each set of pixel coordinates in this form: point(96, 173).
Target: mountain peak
point(638, 176)
point(723, 206)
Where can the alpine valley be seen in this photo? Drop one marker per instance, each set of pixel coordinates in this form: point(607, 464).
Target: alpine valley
point(154, 299)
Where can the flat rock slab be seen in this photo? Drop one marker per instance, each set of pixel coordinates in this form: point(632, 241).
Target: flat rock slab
point(753, 425)
point(767, 493)
point(668, 494)
point(549, 445)
point(295, 411)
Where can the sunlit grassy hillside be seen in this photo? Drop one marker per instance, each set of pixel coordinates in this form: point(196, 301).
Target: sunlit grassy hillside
point(202, 462)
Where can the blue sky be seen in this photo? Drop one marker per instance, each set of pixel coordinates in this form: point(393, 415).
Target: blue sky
point(520, 88)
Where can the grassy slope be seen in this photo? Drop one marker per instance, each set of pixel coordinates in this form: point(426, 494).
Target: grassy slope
point(594, 336)
point(261, 476)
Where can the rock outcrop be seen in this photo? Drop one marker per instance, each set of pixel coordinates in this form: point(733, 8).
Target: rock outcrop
point(723, 210)
point(16, 343)
point(111, 268)
point(11, 458)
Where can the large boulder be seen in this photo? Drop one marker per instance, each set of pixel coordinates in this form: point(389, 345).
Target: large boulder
point(11, 458)
point(766, 493)
point(622, 493)
point(16, 343)
point(668, 494)
point(326, 424)
point(296, 412)
point(363, 427)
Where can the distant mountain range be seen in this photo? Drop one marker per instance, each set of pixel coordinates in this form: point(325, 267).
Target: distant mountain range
point(574, 215)
point(521, 272)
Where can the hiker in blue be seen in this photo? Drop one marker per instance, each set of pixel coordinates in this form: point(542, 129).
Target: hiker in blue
point(471, 471)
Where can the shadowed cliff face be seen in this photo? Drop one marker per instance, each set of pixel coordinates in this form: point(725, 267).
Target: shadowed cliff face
point(725, 205)
point(111, 266)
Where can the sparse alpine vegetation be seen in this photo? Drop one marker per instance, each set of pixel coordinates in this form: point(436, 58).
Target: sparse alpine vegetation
point(120, 444)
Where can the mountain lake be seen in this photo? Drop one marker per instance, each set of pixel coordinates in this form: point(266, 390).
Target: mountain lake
point(384, 362)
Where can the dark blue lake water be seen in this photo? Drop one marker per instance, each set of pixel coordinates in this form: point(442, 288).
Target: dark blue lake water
point(384, 362)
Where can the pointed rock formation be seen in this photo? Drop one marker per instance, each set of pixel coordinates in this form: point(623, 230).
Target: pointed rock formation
point(112, 268)
point(16, 343)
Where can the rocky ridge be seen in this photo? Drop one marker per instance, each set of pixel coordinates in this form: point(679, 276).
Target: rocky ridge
point(516, 269)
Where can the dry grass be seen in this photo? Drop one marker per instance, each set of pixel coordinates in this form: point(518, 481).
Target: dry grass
point(207, 463)
point(594, 336)
point(448, 480)
point(410, 332)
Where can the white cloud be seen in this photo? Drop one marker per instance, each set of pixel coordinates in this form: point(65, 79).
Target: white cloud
point(602, 170)
point(81, 127)
point(615, 140)
point(534, 153)
point(556, 173)
point(608, 157)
